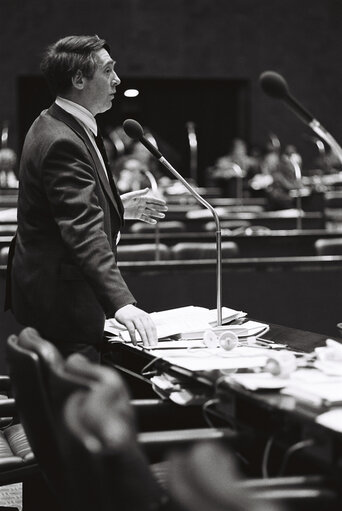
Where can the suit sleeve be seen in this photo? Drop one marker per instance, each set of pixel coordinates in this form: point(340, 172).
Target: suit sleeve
point(70, 185)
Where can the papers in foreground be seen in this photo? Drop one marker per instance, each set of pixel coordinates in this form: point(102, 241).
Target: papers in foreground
point(180, 333)
point(182, 320)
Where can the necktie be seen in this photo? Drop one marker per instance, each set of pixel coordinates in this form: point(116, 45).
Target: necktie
point(102, 149)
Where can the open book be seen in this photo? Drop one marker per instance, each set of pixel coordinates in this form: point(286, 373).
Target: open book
point(179, 321)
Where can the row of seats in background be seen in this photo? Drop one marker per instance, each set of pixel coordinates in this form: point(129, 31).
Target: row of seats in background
point(184, 249)
point(188, 250)
point(179, 251)
point(147, 249)
point(192, 250)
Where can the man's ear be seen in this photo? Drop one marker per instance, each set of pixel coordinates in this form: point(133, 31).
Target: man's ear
point(78, 80)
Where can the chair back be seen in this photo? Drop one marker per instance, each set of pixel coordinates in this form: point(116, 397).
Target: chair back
point(332, 246)
point(143, 252)
point(40, 387)
point(333, 199)
point(4, 255)
point(30, 392)
point(163, 226)
point(105, 464)
point(205, 478)
point(227, 225)
point(197, 250)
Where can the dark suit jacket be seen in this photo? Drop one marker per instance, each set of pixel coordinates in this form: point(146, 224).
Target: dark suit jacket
point(64, 276)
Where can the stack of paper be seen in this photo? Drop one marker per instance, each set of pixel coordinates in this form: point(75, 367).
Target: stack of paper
point(315, 388)
point(331, 419)
point(207, 359)
point(258, 381)
point(248, 329)
point(179, 321)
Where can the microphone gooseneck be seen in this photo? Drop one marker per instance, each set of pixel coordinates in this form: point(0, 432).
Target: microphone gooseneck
point(274, 85)
point(135, 131)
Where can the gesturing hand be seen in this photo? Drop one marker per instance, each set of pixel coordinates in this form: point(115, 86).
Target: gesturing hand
point(135, 319)
point(140, 206)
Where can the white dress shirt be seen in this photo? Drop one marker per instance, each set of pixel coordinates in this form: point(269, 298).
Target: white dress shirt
point(86, 119)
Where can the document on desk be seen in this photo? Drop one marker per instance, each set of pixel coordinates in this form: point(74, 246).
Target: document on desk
point(179, 320)
point(258, 381)
point(247, 329)
point(197, 358)
point(314, 388)
point(331, 419)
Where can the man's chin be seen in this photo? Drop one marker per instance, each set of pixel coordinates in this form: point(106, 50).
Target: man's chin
point(105, 108)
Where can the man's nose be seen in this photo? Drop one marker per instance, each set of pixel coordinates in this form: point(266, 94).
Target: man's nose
point(116, 79)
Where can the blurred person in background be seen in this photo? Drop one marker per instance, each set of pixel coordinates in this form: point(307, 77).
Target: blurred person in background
point(8, 163)
point(236, 164)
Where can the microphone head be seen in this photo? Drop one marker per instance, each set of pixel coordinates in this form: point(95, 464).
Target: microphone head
point(133, 129)
point(274, 85)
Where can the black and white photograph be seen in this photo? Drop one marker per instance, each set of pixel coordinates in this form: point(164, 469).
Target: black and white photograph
point(170, 255)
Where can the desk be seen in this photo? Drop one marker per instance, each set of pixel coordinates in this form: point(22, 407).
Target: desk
point(276, 243)
point(189, 200)
point(302, 292)
point(258, 416)
point(8, 215)
point(5, 240)
point(8, 198)
point(270, 219)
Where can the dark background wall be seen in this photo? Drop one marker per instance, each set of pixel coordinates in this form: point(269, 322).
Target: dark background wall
point(193, 39)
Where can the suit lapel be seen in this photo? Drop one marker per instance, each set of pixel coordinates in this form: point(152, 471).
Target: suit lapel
point(73, 124)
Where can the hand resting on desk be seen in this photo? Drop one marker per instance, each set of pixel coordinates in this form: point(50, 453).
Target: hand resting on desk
point(135, 319)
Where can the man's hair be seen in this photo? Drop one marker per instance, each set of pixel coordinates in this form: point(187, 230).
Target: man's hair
point(64, 58)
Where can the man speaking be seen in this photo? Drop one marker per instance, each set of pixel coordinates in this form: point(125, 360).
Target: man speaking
point(63, 276)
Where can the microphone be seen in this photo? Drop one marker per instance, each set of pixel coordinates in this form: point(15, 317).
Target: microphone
point(275, 85)
point(134, 130)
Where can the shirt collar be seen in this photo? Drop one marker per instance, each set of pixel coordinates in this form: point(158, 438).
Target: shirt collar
point(79, 112)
